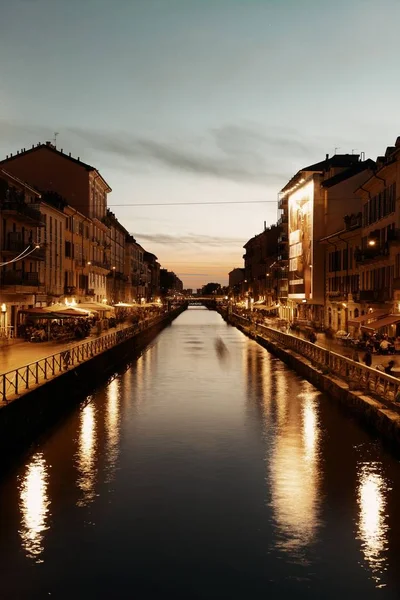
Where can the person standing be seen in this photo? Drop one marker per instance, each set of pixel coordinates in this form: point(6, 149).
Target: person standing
point(368, 358)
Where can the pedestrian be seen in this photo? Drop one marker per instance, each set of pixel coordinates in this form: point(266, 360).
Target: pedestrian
point(368, 358)
point(355, 356)
point(389, 367)
point(313, 337)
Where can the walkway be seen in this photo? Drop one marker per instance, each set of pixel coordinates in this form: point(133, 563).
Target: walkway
point(334, 345)
point(21, 353)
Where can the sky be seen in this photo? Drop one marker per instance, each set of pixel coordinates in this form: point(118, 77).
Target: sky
point(193, 101)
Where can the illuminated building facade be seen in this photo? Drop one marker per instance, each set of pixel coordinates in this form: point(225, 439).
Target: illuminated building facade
point(315, 201)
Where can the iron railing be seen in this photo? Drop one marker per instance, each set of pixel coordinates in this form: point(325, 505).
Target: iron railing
point(360, 376)
point(18, 381)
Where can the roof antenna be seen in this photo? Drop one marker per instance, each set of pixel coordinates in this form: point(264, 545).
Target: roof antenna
point(337, 148)
point(353, 150)
point(55, 138)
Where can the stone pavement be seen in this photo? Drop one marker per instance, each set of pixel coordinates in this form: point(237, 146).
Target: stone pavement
point(334, 345)
point(19, 353)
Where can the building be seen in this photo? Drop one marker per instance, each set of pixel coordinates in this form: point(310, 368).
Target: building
point(236, 282)
point(117, 279)
point(82, 188)
point(342, 281)
point(378, 257)
point(22, 250)
point(153, 267)
point(259, 259)
point(314, 203)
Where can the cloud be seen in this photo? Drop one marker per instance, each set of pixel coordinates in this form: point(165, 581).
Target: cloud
point(244, 152)
point(219, 159)
point(191, 239)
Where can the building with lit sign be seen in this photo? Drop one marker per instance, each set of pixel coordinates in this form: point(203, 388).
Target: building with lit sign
point(314, 203)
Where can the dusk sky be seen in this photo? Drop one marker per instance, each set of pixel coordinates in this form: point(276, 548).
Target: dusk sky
point(199, 101)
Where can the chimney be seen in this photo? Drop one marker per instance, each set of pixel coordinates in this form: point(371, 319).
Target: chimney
point(48, 143)
point(79, 158)
point(69, 154)
point(265, 225)
point(327, 157)
point(33, 145)
point(10, 154)
point(17, 151)
point(62, 151)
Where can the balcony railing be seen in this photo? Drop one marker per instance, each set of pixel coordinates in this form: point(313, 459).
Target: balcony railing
point(22, 209)
point(18, 381)
point(69, 290)
point(364, 378)
point(19, 278)
point(101, 264)
point(363, 255)
point(375, 295)
point(283, 220)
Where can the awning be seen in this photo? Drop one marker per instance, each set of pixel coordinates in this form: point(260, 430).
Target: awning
point(63, 308)
point(125, 305)
point(70, 312)
point(375, 325)
point(268, 308)
point(372, 316)
point(95, 306)
point(37, 313)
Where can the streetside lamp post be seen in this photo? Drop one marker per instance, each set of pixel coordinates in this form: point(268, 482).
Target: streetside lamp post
point(89, 262)
point(113, 270)
point(3, 318)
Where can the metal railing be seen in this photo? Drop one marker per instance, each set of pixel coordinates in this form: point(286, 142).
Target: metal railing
point(360, 376)
point(18, 381)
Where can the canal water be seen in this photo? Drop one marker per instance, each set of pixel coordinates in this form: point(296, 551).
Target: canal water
point(207, 469)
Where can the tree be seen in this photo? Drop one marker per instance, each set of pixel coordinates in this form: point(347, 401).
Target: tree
point(211, 288)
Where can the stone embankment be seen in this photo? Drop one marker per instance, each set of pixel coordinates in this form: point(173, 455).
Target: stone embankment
point(367, 393)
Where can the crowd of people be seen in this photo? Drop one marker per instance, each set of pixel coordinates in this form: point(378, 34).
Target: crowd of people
point(41, 330)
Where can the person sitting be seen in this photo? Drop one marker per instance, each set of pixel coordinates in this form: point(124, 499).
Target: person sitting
point(384, 346)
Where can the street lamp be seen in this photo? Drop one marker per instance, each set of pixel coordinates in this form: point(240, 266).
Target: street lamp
point(113, 270)
point(89, 262)
point(3, 314)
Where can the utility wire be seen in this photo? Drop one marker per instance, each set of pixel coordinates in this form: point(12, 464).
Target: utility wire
point(197, 203)
point(20, 256)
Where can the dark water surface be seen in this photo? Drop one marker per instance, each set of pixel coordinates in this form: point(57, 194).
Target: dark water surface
point(207, 470)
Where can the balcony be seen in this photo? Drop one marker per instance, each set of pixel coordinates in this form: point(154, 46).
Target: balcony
point(283, 220)
point(100, 264)
point(17, 246)
point(337, 296)
point(396, 283)
point(20, 278)
point(375, 295)
point(69, 290)
point(22, 211)
point(283, 202)
point(364, 255)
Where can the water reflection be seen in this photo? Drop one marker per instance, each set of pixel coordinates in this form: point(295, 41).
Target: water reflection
point(372, 524)
point(294, 470)
point(112, 427)
point(85, 459)
point(34, 505)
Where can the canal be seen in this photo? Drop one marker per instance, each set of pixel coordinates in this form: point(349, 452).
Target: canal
point(207, 469)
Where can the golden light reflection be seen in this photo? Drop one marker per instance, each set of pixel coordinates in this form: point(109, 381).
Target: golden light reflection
point(372, 524)
point(34, 505)
point(112, 427)
point(294, 474)
point(85, 462)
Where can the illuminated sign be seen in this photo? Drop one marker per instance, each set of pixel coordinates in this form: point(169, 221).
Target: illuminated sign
point(301, 206)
